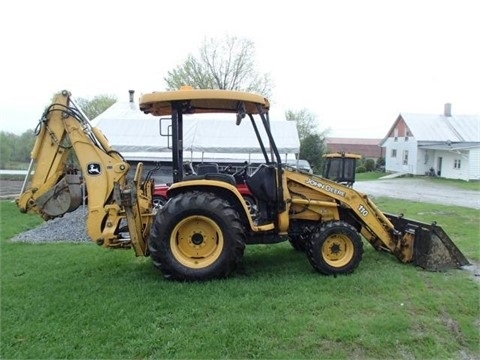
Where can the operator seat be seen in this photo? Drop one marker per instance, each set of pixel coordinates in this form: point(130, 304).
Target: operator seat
point(262, 183)
point(210, 172)
point(203, 169)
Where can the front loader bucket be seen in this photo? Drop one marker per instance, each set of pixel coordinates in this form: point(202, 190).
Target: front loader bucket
point(432, 249)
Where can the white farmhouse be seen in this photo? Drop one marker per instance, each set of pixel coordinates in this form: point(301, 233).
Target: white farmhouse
point(442, 145)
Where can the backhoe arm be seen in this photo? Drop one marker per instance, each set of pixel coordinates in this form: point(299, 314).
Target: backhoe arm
point(55, 186)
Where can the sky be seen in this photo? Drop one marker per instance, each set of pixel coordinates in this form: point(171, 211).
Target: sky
point(355, 65)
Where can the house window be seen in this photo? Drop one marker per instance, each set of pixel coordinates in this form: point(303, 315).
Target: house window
point(405, 157)
point(394, 153)
point(457, 163)
point(406, 138)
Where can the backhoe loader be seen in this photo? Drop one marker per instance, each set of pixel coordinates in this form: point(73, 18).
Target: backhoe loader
point(201, 232)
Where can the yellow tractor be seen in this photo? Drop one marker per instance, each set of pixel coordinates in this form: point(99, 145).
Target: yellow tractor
point(202, 230)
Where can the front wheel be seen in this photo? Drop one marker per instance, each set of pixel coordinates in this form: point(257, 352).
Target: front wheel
point(197, 236)
point(336, 248)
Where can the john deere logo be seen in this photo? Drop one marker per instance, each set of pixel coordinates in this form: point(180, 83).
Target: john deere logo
point(93, 169)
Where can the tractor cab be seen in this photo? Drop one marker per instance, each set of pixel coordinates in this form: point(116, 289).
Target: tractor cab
point(340, 167)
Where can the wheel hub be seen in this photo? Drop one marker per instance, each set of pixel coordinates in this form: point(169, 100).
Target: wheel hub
point(197, 241)
point(335, 248)
point(197, 238)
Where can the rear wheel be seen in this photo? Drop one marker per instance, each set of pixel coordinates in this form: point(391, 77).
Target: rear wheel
point(197, 236)
point(336, 248)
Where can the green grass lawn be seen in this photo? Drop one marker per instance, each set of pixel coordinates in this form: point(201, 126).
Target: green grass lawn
point(371, 175)
point(69, 300)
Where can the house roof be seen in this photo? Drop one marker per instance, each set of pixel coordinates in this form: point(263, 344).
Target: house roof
point(432, 127)
point(368, 148)
point(449, 146)
point(352, 141)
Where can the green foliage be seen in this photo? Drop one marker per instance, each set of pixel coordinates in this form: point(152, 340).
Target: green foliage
point(312, 148)
point(307, 123)
point(360, 169)
point(15, 148)
point(96, 105)
point(81, 301)
point(312, 142)
point(6, 148)
point(223, 63)
point(380, 162)
point(369, 164)
point(25, 146)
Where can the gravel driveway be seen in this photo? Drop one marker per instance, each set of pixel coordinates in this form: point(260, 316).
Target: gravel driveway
point(418, 189)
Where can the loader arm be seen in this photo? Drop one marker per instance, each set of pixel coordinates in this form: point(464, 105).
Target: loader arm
point(426, 245)
point(54, 185)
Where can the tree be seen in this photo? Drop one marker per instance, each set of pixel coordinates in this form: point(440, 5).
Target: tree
point(226, 63)
point(380, 164)
point(95, 106)
point(369, 164)
point(15, 149)
point(307, 123)
point(312, 148)
point(6, 148)
point(25, 146)
point(312, 141)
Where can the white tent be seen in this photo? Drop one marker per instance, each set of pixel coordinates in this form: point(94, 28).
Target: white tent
point(207, 137)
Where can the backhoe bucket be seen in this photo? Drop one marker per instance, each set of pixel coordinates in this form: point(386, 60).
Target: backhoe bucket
point(65, 196)
point(432, 248)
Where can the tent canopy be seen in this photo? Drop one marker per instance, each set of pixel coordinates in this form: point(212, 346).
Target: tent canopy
point(215, 136)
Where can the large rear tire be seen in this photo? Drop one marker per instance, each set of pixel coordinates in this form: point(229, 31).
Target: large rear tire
point(336, 248)
point(197, 236)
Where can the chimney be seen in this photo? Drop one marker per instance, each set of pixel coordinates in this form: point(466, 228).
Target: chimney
point(447, 111)
point(131, 92)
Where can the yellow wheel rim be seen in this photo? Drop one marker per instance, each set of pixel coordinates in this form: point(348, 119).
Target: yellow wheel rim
point(197, 242)
point(338, 250)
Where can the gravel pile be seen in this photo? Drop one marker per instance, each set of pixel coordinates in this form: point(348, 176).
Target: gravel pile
point(69, 228)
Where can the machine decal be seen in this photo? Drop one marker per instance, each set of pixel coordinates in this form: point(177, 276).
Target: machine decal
point(325, 187)
point(362, 210)
point(94, 169)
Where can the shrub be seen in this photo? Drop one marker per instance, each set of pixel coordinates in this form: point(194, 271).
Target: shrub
point(369, 165)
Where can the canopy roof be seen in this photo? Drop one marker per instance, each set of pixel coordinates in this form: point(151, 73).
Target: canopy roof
point(203, 101)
